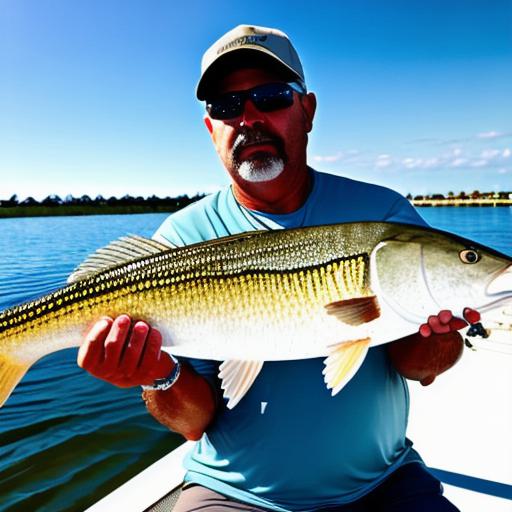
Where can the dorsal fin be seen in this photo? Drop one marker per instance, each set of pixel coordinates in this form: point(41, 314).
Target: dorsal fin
point(118, 252)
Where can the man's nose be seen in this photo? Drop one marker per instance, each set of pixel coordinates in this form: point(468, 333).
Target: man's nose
point(251, 116)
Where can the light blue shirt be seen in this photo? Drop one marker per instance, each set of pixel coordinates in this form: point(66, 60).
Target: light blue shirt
point(288, 444)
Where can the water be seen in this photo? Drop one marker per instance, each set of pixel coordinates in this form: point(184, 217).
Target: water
point(67, 439)
point(489, 226)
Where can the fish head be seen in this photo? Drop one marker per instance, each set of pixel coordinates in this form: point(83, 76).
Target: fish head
point(420, 271)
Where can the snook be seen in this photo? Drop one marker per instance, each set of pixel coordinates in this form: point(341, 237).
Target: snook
point(327, 291)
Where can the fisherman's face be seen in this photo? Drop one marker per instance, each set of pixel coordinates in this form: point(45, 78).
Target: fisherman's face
point(261, 146)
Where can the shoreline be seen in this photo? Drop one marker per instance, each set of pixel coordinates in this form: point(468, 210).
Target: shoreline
point(463, 203)
point(82, 210)
point(79, 210)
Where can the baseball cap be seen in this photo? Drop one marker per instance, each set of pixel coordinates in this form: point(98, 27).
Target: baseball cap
point(246, 45)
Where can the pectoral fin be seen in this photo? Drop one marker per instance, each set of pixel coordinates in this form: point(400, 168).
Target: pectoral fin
point(355, 311)
point(237, 378)
point(343, 362)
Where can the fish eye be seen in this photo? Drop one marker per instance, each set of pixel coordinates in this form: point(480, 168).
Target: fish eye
point(469, 256)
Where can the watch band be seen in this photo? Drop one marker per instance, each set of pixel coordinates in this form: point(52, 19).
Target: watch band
point(167, 382)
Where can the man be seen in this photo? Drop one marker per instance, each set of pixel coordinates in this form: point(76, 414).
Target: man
point(288, 445)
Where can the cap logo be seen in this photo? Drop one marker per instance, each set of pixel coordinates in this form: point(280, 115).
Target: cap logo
point(240, 41)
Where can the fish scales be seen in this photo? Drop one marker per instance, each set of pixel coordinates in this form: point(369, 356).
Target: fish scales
point(208, 312)
point(164, 270)
point(121, 289)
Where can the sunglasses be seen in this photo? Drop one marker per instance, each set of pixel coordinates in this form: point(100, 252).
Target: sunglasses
point(266, 98)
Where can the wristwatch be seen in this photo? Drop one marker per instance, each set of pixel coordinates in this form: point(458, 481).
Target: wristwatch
point(167, 382)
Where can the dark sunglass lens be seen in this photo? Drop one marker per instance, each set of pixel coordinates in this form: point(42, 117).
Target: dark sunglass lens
point(225, 107)
point(272, 97)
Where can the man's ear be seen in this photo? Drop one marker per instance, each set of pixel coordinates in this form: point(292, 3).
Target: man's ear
point(208, 123)
point(309, 107)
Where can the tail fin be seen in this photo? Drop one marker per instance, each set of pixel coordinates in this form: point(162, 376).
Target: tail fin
point(11, 372)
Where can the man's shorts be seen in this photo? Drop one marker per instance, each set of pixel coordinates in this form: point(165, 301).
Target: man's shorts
point(411, 488)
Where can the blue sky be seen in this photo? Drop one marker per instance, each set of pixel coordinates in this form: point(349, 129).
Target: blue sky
point(97, 97)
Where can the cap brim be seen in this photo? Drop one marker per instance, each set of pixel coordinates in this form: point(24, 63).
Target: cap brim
point(236, 58)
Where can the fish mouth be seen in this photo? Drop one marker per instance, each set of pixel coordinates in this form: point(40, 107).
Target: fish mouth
point(499, 287)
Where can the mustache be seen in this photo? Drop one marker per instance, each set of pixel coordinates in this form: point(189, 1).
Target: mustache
point(247, 136)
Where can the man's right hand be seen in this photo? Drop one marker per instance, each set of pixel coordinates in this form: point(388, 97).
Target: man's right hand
point(127, 353)
point(124, 353)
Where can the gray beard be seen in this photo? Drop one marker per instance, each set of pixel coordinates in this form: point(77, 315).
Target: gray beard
point(256, 172)
point(264, 168)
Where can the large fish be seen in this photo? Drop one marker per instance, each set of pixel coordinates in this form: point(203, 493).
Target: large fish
point(328, 291)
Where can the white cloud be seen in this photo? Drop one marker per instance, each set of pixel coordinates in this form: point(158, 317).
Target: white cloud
point(346, 156)
point(383, 161)
point(431, 163)
point(492, 134)
point(458, 162)
point(412, 163)
point(479, 163)
point(482, 137)
point(462, 156)
point(329, 158)
point(489, 153)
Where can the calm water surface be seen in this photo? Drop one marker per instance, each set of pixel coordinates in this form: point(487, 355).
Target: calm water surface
point(67, 439)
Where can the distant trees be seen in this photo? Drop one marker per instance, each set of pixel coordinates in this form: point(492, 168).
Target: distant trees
point(29, 201)
point(125, 204)
point(9, 203)
point(52, 200)
point(85, 205)
point(451, 197)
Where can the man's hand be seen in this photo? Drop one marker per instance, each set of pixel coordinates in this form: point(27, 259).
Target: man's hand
point(442, 323)
point(124, 353)
point(434, 349)
point(127, 353)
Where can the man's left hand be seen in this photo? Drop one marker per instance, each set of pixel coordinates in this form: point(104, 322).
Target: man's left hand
point(443, 323)
point(434, 349)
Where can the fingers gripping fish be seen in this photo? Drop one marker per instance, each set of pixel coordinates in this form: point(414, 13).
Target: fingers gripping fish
point(327, 291)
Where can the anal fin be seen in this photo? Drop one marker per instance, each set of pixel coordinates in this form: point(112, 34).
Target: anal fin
point(343, 362)
point(357, 311)
point(237, 378)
